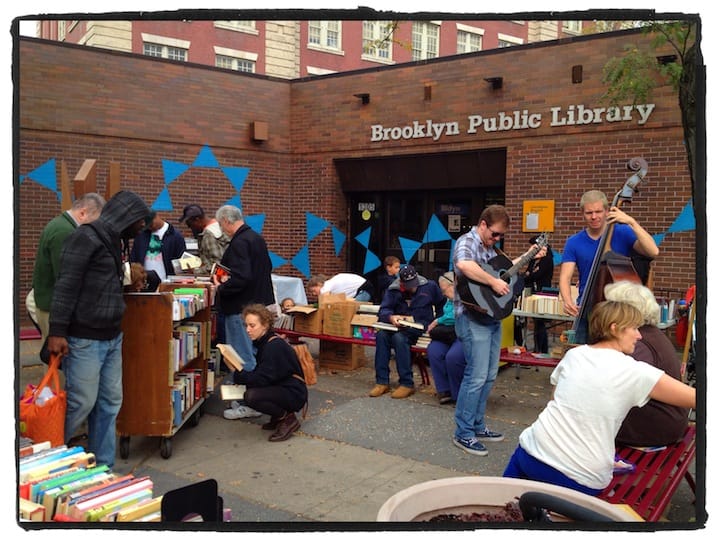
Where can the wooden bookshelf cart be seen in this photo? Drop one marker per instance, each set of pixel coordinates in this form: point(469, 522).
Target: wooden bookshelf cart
point(149, 368)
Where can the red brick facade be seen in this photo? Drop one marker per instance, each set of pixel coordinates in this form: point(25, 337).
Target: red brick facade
point(79, 103)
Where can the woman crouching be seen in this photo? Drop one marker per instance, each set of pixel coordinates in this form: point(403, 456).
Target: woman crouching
point(276, 386)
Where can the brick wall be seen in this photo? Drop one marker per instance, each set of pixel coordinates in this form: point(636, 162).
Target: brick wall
point(78, 103)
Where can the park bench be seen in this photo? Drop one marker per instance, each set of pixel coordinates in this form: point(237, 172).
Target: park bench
point(649, 489)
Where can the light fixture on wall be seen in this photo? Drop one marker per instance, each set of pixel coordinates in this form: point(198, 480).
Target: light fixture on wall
point(259, 131)
point(364, 97)
point(577, 74)
point(495, 82)
point(428, 92)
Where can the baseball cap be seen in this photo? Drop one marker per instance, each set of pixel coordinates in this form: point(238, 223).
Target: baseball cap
point(191, 211)
point(409, 277)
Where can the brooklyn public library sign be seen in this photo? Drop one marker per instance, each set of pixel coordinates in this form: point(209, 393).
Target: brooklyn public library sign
point(573, 115)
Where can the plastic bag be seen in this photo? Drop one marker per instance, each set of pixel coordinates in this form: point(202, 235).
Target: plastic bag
point(42, 408)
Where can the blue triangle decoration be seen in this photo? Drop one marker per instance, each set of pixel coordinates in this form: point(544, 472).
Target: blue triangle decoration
point(685, 221)
point(163, 202)
point(46, 176)
point(314, 225)
point(235, 201)
point(436, 231)
point(557, 258)
point(409, 247)
point(301, 261)
point(658, 238)
point(256, 222)
point(172, 170)
point(338, 240)
point(364, 237)
point(236, 176)
point(205, 158)
point(276, 260)
point(371, 262)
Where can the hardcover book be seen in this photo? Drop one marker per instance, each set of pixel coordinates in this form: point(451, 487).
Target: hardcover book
point(230, 356)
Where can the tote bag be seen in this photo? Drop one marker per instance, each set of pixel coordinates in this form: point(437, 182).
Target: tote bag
point(42, 408)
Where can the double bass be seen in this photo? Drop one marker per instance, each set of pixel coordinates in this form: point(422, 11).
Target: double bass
point(608, 266)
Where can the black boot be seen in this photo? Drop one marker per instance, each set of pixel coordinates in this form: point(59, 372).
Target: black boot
point(273, 423)
point(287, 425)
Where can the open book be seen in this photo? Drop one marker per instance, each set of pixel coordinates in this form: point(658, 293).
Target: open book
point(220, 271)
point(229, 392)
point(230, 356)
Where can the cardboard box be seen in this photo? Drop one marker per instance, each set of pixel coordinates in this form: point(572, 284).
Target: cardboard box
point(337, 317)
point(341, 356)
point(307, 319)
point(362, 326)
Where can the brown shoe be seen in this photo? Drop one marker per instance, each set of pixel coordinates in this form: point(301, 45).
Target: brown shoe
point(272, 424)
point(287, 425)
point(379, 390)
point(401, 392)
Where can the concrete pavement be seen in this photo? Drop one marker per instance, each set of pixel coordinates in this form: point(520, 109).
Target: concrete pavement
point(351, 454)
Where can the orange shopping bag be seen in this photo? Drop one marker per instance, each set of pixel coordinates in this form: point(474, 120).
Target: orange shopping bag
point(42, 408)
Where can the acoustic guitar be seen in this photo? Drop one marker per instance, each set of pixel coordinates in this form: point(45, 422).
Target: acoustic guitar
point(481, 298)
point(608, 266)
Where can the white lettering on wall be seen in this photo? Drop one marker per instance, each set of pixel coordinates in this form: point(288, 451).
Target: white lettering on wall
point(572, 115)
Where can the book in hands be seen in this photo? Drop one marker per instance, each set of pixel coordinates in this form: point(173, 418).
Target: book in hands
point(230, 356)
point(230, 392)
point(221, 271)
point(410, 324)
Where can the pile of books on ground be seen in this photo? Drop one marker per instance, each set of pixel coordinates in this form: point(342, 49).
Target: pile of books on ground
point(64, 484)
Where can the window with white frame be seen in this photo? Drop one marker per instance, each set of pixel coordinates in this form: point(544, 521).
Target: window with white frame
point(236, 60)
point(162, 47)
point(61, 30)
point(505, 40)
point(573, 27)
point(469, 38)
point(324, 34)
point(377, 40)
point(238, 26)
point(425, 38)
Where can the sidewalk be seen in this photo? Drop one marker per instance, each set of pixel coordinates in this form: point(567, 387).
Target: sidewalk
point(351, 454)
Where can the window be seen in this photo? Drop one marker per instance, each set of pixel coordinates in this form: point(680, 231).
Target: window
point(573, 27)
point(377, 40)
point(508, 41)
point(162, 47)
point(469, 38)
point(61, 30)
point(425, 40)
point(324, 34)
point(238, 26)
point(235, 60)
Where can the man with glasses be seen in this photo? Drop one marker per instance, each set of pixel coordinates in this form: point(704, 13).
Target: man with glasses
point(479, 333)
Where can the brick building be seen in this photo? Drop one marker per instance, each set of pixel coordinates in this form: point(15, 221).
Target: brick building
point(339, 171)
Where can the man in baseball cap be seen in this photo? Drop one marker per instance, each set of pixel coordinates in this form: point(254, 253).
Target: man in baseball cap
point(190, 212)
point(211, 240)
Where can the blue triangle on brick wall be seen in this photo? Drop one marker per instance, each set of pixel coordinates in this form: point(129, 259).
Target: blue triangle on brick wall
point(45, 175)
point(235, 201)
point(163, 202)
point(172, 170)
point(276, 260)
point(371, 262)
point(301, 261)
point(205, 158)
point(338, 240)
point(236, 176)
point(364, 237)
point(314, 225)
point(256, 222)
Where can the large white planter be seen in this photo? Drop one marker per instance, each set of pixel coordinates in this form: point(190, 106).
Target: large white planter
point(467, 494)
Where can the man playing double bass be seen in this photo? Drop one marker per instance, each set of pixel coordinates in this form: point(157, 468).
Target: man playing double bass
point(580, 248)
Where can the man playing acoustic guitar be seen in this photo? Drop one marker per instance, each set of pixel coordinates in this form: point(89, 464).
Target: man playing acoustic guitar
point(479, 331)
point(580, 248)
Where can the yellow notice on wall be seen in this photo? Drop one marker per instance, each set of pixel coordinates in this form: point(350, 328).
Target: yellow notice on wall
point(539, 216)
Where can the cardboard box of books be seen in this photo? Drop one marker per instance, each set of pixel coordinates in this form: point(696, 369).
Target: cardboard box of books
point(337, 317)
point(307, 319)
point(341, 356)
point(362, 326)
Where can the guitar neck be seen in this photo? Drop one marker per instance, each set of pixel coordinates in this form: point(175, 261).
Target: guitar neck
point(510, 272)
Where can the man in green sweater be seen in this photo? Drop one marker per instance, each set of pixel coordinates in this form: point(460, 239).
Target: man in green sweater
point(47, 260)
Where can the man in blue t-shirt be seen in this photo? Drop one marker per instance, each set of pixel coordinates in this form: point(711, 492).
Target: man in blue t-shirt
point(580, 248)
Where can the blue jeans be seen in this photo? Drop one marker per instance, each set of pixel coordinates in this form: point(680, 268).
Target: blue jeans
point(447, 363)
point(481, 344)
point(401, 342)
point(363, 296)
point(237, 336)
point(523, 465)
point(93, 382)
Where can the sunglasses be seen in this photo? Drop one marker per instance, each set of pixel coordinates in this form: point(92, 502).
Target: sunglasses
point(496, 234)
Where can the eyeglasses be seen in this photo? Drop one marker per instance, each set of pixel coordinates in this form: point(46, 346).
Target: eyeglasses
point(496, 234)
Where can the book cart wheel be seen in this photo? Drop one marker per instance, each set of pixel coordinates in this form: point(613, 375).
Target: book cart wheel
point(166, 447)
point(124, 447)
point(195, 418)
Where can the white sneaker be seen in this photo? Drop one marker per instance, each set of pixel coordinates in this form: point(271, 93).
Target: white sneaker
point(240, 411)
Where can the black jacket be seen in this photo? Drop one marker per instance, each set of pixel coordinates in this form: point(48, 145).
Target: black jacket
point(88, 297)
point(248, 259)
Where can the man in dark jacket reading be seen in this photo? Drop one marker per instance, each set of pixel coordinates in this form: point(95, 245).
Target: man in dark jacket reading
point(85, 320)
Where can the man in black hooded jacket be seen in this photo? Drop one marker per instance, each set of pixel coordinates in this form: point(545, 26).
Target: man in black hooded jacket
point(85, 319)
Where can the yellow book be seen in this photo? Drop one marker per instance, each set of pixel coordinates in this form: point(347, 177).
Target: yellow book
point(231, 357)
point(31, 511)
point(139, 510)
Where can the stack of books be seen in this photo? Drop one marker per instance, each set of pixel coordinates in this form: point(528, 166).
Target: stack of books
point(65, 484)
